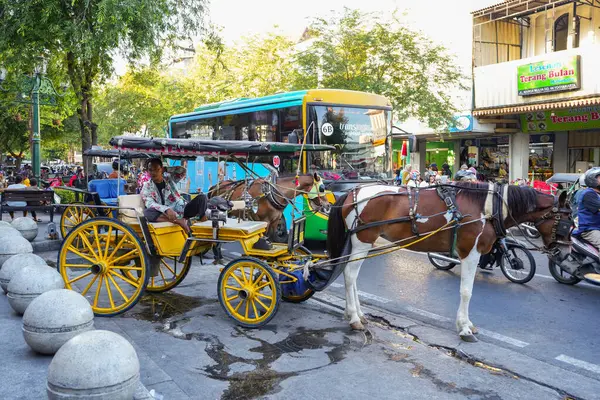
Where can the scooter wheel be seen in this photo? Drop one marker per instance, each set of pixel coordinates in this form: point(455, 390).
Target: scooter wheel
point(560, 275)
point(439, 264)
point(521, 267)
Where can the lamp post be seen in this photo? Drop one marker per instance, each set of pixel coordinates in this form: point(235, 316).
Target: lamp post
point(36, 89)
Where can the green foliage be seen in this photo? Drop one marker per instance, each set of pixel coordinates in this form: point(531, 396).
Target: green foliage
point(82, 38)
point(66, 196)
point(359, 51)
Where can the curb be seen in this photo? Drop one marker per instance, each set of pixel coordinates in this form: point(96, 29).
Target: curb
point(46, 245)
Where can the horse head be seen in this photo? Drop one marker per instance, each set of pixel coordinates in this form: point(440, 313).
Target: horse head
point(552, 218)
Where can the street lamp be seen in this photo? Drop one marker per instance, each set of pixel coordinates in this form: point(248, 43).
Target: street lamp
point(36, 90)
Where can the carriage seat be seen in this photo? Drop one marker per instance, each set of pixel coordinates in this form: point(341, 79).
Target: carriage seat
point(248, 227)
point(107, 189)
point(129, 217)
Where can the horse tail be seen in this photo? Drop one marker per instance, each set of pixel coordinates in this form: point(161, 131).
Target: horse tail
point(336, 229)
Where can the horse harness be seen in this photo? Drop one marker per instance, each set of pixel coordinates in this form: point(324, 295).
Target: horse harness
point(448, 195)
point(560, 227)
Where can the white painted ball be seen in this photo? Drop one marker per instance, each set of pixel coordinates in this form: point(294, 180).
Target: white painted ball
point(26, 226)
point(8, 231)
point(4, 223)
point(94, 365)
point(55, 317)
point(30, 282)
point(13, 244)
point(14, 263)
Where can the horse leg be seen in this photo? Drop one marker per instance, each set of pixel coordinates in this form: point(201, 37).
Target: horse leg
point(467, 277)
point(361, 315)
point(352, 311)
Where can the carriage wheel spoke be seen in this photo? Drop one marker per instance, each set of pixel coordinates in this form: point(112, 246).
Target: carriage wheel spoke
point(88, 245)
point(162, 275)
point(97, 237)
point(261, 304)
point(80, 277)
point(243, 272)
point(110, 298)
point(129, 268)
point(78, 265)
point(246, 312)
point(258, 278)
point(74, 250)
point(263, 285)
point(234, 276)
point(98, 290)
point(132, 283)
point(238, 306)
point(118, 288)
point(89, 285)
point(254, 309)
point(108, 235)
point(264, 296)
point(117, 247)
point(168, 267)
point(232, 297)
point(114, 261)
point(232, 287)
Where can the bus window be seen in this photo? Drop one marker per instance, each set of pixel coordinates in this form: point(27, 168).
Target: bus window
point(202, 129)
point(178, 130)
point(265, 125)
point(291, 118)
point(236, 127)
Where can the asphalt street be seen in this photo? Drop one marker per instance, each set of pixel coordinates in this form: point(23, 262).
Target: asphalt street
point(544, 319)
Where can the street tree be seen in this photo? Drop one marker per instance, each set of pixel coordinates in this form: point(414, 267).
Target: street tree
point(85, 36)
point(367, 52)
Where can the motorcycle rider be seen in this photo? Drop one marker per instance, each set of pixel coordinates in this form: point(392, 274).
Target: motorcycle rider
point(588, 209)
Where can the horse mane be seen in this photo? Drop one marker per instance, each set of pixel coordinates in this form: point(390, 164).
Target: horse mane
point(522, 200)
point(473, 191)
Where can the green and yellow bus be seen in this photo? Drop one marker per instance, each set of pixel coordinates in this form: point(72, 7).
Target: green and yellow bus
point(356, 123)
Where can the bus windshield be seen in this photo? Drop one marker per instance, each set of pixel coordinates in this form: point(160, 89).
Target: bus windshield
point(359, 134)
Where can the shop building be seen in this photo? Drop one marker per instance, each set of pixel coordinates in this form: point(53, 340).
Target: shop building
point(536, 84)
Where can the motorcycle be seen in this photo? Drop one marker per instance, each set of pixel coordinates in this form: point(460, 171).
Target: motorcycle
point(529, 230)
point(515, 261)
point(583, 263)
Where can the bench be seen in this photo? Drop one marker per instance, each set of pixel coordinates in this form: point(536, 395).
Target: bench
point(37, 200)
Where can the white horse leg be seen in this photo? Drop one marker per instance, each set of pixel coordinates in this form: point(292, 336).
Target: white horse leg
point(468, 270)
point(352, 311)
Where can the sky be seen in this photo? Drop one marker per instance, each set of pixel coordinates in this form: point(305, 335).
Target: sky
point(446, 21)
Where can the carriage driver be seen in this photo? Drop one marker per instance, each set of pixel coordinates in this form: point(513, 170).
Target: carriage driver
point(163, 201)
point(589, 209)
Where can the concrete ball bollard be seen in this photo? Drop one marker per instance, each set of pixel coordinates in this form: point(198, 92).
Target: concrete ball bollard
point(26, 226)
point(55, 317)
point(94, 365)
point(13, 244)
point(14, 264)
point(6, 231)
point(5, 224)
point(30, 282)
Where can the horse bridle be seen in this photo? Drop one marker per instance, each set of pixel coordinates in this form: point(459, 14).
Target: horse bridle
point(560, 226)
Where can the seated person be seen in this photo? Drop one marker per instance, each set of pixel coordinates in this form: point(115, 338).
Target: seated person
point(588, 209)
point(163, 201)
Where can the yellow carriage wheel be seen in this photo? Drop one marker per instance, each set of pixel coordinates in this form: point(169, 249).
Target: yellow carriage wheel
point(97, 272)
point(170, 273)
point(300, 252)
point(74, 215)
point(249, 292)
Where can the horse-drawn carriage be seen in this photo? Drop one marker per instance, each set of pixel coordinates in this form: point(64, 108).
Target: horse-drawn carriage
point(112, 259)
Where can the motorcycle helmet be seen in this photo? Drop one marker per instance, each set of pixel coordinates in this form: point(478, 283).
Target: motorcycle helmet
point(582, 180)
point(591, 176)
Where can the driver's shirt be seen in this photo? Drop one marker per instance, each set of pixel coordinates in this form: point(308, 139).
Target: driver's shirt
point(163, 198)
point(588, 212)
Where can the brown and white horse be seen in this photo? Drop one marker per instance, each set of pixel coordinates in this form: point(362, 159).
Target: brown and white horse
point(366, 206)
point(272, 198)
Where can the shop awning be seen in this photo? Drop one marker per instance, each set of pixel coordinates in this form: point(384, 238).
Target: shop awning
point(517, 9)
point(525, 108)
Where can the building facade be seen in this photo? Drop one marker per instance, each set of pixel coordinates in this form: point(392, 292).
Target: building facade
point(536, 85)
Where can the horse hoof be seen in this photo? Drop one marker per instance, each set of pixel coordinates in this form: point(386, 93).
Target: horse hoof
point(469, 338)
point(357, 326)
point(364, 320)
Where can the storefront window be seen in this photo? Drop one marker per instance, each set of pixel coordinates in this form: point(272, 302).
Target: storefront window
point(488, 155)
point(541, 148)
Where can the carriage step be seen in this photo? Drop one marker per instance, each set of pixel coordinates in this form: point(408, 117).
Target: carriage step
point(592, 278)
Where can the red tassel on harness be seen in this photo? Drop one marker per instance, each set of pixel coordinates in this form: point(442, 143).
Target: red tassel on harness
point(297, 181)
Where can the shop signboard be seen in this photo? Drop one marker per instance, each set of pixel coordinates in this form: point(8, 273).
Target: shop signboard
point(570, 119)
point(462, 123)
point(549, 76)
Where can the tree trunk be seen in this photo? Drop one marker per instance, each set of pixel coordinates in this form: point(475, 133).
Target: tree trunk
point(93, 127)
point(86, 133)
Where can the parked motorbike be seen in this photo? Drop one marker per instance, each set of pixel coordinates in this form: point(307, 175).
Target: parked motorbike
point(515, 261)
point(583, 263)
point(529, 230)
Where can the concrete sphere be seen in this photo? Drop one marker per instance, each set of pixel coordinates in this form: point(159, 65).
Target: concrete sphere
point(8, 231)
point(55, 317)
point(29, 282)
point(4, 223)
point(94, 365)
point(27, 226)
point(13, 244)
point(15, 263)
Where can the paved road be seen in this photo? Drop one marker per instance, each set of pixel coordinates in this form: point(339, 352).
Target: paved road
point(543, 319)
